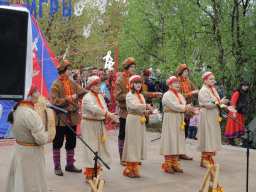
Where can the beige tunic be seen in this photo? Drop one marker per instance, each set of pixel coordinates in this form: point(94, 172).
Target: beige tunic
point(135, 131)
point(92, 131)
point(173, 137)
point(27, 165)
point(208, 128)
point(120, 95)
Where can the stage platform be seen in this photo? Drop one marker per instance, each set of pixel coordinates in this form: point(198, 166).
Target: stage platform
point(232, 175)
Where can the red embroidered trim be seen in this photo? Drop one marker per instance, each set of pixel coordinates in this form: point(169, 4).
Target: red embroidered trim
point(97, 99)
point(127, 76)
point(27, 104)
point(210, 87)
point(176, 94)
point(67, 87)
point(139, 97)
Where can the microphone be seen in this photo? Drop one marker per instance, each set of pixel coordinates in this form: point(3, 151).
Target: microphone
point(215, 102)
point(219, 105)
point(56, 109)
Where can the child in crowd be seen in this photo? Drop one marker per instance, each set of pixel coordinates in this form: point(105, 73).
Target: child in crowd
point(193, 124)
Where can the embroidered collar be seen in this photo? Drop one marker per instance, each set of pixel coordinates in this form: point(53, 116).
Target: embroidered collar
point(27, 104)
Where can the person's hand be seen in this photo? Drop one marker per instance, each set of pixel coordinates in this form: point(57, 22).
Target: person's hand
point(232, 109)
point(105, 95)
point(224, 100)
point(155, 111)
point(195, 92)
point(74, 96)
point(158, 94)
point(234, 115)
point(48, 136)
point(114, 117)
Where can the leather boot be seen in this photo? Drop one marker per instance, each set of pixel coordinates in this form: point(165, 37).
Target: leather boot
point(121, 161)
point(58, 171)
point(170, 170)
point(185, 157)
point(136, 174)
point(88, 178)
point(202, 165)
point(135, 169)
point(130, 174)
point(72, 168)
point(128, 170)
point(177, 169)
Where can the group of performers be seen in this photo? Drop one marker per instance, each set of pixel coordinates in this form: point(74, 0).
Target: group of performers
point(28, 156)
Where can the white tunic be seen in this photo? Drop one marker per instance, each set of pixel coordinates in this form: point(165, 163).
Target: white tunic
point(92, 131)
point(27, 165)
point(173, 137)
point(135, 131)
point(209, 133)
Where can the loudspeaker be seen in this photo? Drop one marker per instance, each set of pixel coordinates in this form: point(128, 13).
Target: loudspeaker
point(13, 53)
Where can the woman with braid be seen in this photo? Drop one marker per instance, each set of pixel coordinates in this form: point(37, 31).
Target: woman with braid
point(209, 133)
point(27, 165)
point(94, 112)
point(172, 143)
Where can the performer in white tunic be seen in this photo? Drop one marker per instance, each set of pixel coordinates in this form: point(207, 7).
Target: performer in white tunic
point(27, 165)
point(172, 143)
point(209, 133)
point(94, 112)
point(135, 143)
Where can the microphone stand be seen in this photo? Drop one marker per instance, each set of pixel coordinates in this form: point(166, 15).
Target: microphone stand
point(96, 157)
point(248, 143)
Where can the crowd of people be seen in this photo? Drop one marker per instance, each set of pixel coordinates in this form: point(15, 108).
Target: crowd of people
point(132, 94)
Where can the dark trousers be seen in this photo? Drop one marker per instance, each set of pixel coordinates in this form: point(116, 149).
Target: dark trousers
point(192, 131)
point(122, 123)
point(186, 127)
point(61, 131)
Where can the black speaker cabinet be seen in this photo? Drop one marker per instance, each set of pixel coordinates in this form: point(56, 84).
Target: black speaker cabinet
point(13, 52)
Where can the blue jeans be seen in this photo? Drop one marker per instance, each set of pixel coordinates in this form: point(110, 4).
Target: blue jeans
point(192, 130)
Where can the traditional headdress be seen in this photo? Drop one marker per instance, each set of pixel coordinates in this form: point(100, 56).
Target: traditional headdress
point(129, 61)
point(63, 64)
point(170, 80)
point(181, 68)
point(133, 78)
point(206, 75)
point(33, 86)
point(92, 80)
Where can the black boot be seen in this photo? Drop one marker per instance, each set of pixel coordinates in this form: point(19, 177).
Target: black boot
point(72, 168)
point(58, 171)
